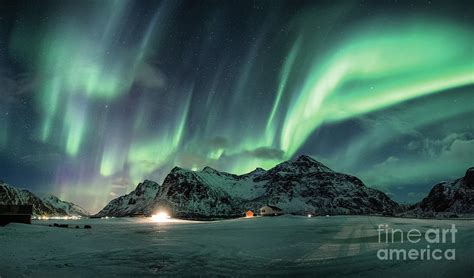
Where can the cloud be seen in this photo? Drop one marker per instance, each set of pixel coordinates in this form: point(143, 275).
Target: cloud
point(461, 150)
point(267, 153)
point(113, 194)
point(218, 142)
point(402, 129)
point(189, 159)
point(390, 160)
point(150, 77)
point(15, 86)
point(120, 183)
point(413, 145)
point(442, 158)
point(435, 147)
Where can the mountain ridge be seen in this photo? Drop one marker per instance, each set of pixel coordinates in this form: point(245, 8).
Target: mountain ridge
point(132, 203)
point(69, 207)
point(448, 198)
point(299, 186)
point(49, 205)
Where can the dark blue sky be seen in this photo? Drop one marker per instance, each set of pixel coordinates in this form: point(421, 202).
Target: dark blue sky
point(98, 95)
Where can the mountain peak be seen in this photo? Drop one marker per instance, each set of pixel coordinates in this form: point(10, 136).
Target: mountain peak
point(306, 158)
point(47, 204)
point(145, 184)
point(259, 170)
point(307, 161)
point(208, 169)
point(49, 196)
point(176, 169)
point(470, 171)
point(304, 164)
point(256, 172)
point(469, 177)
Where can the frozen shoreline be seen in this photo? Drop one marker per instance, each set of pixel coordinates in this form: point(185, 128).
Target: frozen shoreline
point(287, 245)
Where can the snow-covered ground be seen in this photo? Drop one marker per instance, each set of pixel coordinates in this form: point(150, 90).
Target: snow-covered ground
point(287, 245)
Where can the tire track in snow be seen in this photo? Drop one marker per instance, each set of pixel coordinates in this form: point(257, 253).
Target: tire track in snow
point(329, 250)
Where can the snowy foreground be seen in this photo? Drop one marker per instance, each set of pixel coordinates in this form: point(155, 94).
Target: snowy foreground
point(287, 245)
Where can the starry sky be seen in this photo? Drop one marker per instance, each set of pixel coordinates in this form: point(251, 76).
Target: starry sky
point(96, 96)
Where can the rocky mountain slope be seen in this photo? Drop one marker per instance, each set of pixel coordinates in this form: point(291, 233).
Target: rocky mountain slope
point(68, 207)
point(51, 206)
point(136, 202)
point(301, 186)
point(453, 197)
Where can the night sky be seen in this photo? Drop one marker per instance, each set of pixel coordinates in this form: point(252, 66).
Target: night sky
point(97, 96)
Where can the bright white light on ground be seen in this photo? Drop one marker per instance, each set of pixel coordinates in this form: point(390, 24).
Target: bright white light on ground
point(309, 215)
point(160, 217)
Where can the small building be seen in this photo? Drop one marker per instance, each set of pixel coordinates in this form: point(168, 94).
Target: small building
point(15, 214)
point(268, 210)
point(249, 214)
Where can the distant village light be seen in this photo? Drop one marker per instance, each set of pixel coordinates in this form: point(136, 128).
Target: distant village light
point(309, 215)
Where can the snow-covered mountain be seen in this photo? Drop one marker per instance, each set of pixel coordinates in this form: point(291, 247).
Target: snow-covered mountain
point(10, 195)
point(208, 193)
point(68, 207)
point(301, 186)
point(306, 185)
point(136, 202)
point(455, 197)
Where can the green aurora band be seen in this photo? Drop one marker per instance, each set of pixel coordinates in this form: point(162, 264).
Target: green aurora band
point(379, 69)
point(82, 67)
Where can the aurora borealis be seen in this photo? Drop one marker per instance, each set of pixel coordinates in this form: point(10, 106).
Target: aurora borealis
point(98, 95)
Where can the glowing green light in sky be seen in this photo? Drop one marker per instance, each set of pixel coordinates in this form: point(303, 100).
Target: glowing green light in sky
point(83, 62)
point(285, 74)
point(145, 156)
point(234, 106)
point(375, 70)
